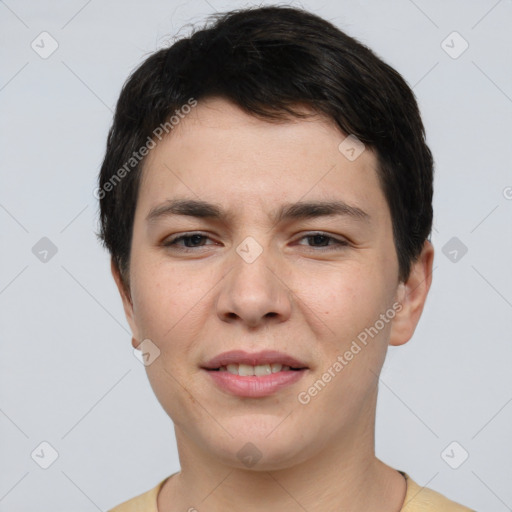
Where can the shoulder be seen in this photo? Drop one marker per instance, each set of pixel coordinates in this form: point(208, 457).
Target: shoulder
point(423, 499)
point(146, 502)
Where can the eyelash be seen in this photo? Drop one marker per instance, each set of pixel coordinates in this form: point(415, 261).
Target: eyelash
point(173, 241)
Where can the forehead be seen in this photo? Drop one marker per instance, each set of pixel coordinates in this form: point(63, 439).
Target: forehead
point(219, 152)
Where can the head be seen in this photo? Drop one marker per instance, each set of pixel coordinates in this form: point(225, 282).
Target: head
point(218, 138)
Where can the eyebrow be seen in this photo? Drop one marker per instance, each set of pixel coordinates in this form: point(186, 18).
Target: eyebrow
point(287, 212)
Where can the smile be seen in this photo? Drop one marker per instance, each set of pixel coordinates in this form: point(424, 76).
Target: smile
point(247, 370)
point(251, 385)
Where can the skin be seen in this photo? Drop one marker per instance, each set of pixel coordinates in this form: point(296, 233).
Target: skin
point(297, 297)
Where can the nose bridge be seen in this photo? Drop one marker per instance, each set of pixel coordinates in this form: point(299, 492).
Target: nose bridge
point(251, 291)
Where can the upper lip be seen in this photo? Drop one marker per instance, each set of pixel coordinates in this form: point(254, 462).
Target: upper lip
point(253, 359)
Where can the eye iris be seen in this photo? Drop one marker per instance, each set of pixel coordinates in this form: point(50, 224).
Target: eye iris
point(193, 239)
point(318, 239)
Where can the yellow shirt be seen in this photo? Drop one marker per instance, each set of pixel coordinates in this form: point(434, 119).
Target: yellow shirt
point(417, 499)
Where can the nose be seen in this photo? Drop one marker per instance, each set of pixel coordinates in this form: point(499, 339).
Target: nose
point(254, 293)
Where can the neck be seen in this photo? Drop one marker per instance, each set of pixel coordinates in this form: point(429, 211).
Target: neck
point(344, 474)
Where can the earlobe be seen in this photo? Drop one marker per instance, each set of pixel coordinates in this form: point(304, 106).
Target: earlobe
point(412, 296)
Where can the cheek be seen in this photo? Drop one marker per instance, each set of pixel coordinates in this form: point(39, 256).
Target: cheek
point(350, 299)
point(170, 304)
point(158, 300)
point(353, 353)
point(166, 307)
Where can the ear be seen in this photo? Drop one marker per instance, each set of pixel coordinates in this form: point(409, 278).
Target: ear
point(412, 295)
point(127, 301)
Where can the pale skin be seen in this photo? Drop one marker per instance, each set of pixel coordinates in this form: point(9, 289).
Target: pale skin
point(309, 298)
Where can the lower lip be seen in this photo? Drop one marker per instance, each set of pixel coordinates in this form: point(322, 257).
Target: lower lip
point(255, 386)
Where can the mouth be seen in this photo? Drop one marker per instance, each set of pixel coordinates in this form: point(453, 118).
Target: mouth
point(254, 375)
point(247, 370)
point(264, 362)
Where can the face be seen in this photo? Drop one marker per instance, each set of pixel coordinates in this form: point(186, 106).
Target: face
point(253, 266)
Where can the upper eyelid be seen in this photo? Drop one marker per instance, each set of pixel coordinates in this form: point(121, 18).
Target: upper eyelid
point(178, 236)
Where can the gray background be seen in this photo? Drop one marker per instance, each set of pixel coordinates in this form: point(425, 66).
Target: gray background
point(67, 372)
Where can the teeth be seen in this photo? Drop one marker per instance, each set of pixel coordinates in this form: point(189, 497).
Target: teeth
point(246, 370)
point(262, 369)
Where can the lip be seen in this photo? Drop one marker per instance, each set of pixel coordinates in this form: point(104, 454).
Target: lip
point(253, 359)
point(254, 386)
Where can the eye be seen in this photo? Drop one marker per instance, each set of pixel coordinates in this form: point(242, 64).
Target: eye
point(322, 239)
point(191, 240)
